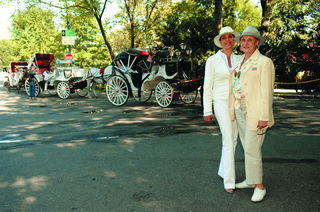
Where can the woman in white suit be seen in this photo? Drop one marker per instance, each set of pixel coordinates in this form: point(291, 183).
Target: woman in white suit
point(251, 104)
point(216, 92)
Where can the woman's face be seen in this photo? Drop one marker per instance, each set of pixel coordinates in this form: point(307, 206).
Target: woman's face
point(248, 44)
point(227, 41)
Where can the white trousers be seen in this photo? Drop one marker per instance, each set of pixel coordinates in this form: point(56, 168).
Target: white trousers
point(251, 143)
point(229, 131)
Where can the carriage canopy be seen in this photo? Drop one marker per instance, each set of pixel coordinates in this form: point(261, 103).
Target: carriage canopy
point(14, 66)
point(40, 62)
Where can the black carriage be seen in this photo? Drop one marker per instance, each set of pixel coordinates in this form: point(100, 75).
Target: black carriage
point(139, 72)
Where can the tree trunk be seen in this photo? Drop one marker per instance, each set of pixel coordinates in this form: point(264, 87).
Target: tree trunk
point(132, 34)
point(266, 17)
point(218, 20)
point(104, 36)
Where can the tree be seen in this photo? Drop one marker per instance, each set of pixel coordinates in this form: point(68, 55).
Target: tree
point(33, 30)
point(140, 18)
point(293, 24)
point(191, 22)
point(95, 8)
point(6, 52)
point(89, 49)
point(267, 6)
point(218, 19)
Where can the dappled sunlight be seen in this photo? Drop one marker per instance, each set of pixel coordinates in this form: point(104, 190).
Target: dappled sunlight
point(28, 154)
point(129, 140)
point(141, 180)
point(123, 121)
point(4, 184)
point(30, 200)
point(110, 174)
point(36, 183)
point(40, 124)
point(71, 144)
point(130, 146)
point(15, 150)
point(32, 137)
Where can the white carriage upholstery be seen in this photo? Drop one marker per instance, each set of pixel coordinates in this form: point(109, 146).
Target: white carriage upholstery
point(78, 72)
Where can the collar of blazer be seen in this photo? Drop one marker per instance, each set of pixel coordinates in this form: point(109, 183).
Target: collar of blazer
point(251, 63)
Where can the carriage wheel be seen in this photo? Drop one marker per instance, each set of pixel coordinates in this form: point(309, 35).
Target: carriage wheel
point(164, 93)
point(190, 97)
point(63, 90)
point(27, 87)
point(82, 92)
point(117, 90)
point(145, 95)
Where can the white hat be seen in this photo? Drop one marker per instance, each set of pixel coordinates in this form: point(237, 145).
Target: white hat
point(223, 31)
point(251, 30)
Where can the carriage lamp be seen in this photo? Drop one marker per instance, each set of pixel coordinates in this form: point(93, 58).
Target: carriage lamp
point(178, 53)
point(189, 51)
point(183, 46)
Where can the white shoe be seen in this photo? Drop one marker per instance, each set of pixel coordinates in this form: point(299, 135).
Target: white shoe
point(244, 184)
point(258, 195)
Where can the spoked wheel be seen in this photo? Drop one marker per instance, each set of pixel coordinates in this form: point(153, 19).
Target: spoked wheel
point(190, 97)
point(82, 92)
point(145, 95)
point(117, 90)
point(27, 87)
point(164, 94)
point(63, 90)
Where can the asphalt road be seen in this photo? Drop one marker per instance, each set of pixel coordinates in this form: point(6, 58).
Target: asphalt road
point(87, 155)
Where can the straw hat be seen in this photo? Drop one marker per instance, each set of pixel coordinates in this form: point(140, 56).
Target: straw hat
point(223, 31)
point(251, 30)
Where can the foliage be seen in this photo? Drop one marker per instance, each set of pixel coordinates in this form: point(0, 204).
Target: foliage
point(89, 49)
point(191, 22)
point(33, 30)
point(6, 53)
point(294, 23)
point(140, 18)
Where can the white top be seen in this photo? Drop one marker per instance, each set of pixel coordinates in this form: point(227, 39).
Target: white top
point(216, 80)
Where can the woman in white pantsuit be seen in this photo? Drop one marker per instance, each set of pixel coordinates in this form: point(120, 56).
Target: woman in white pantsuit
point(251, 105)
point(216, 92)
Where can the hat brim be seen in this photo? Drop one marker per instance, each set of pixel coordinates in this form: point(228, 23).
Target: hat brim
point(216, 39)
point(260, 38)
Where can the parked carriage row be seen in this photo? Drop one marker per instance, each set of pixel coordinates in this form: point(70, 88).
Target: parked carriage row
point(62, 79)
point(136, 73)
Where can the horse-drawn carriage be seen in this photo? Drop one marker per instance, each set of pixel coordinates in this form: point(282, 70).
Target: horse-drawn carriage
point(62, 79)
point(138, 72)
point(17, 74)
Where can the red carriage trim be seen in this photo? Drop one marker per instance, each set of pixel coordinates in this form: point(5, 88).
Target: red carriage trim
point(14, 65)
point(102, 70)
point(143, 53)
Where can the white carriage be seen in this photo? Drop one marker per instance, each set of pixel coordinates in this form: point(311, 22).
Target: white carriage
point(17, 74)
point(62, 79)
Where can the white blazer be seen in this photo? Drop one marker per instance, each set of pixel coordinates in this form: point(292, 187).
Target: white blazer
point(258, 84)
point(216, 80)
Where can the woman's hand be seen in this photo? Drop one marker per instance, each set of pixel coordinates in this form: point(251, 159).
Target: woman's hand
point(262, 124)
point(208, 118)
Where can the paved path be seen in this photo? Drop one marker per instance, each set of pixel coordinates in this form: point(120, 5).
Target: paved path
point(87, 155)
